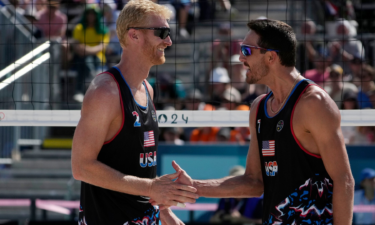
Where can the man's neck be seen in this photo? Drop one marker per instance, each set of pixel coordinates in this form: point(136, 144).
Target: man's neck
point(134, 71)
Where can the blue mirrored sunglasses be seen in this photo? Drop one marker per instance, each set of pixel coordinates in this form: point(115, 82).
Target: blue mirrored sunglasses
point(246, 49)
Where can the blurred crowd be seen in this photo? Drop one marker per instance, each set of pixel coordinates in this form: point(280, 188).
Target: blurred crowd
point(86, 32)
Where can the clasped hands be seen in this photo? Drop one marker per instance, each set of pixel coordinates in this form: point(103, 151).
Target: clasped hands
point(165, 192)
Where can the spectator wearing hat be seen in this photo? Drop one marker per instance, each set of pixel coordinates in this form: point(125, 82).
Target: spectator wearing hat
point(238, 210)
point(91, 38)
point(337, 88)
point(230, 98)
point(218, 82)
point(347, 48)
point(365, 196)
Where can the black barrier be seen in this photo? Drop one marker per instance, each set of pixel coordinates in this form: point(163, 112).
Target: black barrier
point(7, 222)
point(52, 222)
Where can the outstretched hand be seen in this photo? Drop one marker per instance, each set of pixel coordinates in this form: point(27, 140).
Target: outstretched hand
point(182, 179)
point(165, 192)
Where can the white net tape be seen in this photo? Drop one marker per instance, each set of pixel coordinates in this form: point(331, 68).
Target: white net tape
point(178, 118)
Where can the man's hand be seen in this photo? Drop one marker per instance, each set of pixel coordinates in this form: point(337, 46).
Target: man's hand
point(167, 217)
point(183, 178)
point(163, 191)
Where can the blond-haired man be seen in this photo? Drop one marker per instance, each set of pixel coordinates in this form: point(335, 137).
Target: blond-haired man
point(115, 143)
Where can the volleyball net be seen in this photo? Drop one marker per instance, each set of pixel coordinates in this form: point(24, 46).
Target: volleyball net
point(44, 74)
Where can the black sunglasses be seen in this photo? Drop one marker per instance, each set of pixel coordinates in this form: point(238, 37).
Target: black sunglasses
point(162, 32)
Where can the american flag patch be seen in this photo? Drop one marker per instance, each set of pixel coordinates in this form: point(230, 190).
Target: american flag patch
point(149, 139)
point(268, 148)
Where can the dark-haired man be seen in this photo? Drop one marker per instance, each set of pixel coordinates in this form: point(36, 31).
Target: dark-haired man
point(297, 155)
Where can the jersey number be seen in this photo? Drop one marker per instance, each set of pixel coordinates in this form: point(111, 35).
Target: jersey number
point(136, 123)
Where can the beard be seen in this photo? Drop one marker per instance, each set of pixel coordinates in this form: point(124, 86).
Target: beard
point(150, 51)
point(257, 73)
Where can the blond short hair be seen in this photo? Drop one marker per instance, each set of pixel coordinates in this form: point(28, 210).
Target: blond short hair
point(135, 13)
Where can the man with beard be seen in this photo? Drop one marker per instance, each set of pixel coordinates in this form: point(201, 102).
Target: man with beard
point(297, 155)
point(116, 158)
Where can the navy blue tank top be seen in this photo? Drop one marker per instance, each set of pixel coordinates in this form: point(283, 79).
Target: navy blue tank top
point(297, 187)
point(132, 151)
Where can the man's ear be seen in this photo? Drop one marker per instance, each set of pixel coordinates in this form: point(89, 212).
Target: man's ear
point(133, 34)
point(271, 57)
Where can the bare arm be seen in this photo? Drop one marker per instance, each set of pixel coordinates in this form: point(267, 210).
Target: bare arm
point(248, 185)
point(101, 107)
point(324, 126)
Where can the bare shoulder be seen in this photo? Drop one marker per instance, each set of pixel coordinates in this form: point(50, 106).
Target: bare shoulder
point(102, 93)
point(316, 103)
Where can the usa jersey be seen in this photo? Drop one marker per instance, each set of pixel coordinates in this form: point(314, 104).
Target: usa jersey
point(297, 187)
point(132, 151)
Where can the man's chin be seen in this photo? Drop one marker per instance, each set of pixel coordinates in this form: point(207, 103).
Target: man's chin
point(159, 61)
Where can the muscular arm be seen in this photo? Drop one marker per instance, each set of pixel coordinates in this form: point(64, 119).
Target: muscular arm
point(324, 125)
point(248, 185)
point(101, 107)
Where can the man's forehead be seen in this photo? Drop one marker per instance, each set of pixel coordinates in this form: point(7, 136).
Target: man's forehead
point(157, 21)
point(251, 38)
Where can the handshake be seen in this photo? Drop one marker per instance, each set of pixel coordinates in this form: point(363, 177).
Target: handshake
point(165, 192)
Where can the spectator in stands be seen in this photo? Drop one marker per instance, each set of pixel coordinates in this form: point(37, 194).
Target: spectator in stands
point(337, 88)
point(355, 65)
point(241, 135)
point(307, 50)
point(182, 8)
point(238, 75)
point(224, 46)
point(193, 101)
point(51, 21)
point(365, 196)
point(320, 73)
point(230, 98)
point(223, 135)
point(33, 7)
point(238, 210)
point(205, 134)
point(91, 39)
point(349, 101)
point(113, 50)
point(347, 48)
point(167, 90)
point(16, 5)
point(367, 85)
point(171, 135)
point(218, 82)
point(254, 91)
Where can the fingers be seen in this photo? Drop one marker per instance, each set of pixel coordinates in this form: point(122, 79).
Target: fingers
point(173, 175)
point(186, 194)
point(186, 188)
point(183, 197)
point(176, 166)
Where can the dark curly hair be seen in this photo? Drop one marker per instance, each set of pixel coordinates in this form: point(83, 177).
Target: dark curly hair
point(274, 34)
